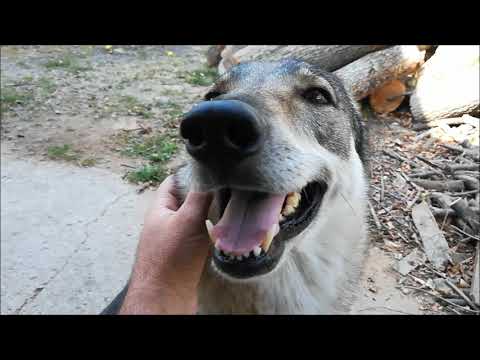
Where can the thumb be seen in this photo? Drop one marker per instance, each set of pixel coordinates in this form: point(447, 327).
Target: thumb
point(196, 206)
point(165, 198)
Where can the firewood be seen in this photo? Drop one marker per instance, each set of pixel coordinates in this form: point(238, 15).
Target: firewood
point(448, 84)
point(473, 154)
point(440, 213)
point(328, 57)
point(371, 71)
point(465, 119)
point(470, 182)
point(449, 185)
point(388, 98)
point(471, 218)
point(363, 68)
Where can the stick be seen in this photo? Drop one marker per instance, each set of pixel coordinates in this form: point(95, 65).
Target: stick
point(411, 203)
point(382, 192)
point(389, 193)
point(470, 182)
point(460, 292)
point(441, 298)
point(424, 174)
point(463, 193)
point(394, 155)
point(374, 215)
point(467, 152)
point(442, 212)
point(466, 234)
point(463, 211)
point(429, 163)
point(407, 179)
point(440, 185)
point(384, 307)
point(453, 168)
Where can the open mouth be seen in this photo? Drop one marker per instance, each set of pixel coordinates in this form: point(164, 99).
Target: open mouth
point(250, 236)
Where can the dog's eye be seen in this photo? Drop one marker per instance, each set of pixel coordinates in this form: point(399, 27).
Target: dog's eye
point(317, 95)
point(212, 95)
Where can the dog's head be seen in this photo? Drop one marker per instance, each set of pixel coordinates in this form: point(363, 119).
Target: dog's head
point(268, 140)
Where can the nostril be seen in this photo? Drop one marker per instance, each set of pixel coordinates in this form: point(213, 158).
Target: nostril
point(191, 132)
point(241, 136)
point(195, 139)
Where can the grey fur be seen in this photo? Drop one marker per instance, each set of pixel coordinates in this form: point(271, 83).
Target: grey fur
point(305, 142)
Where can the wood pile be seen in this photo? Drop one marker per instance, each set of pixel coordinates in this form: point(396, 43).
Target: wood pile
point(363, 68)
point(425, 207)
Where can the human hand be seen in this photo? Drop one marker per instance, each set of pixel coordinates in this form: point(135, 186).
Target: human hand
point(171, 254)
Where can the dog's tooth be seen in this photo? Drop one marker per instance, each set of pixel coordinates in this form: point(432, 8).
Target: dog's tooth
point(293, 199)
point(239, 257)
point(209, 225)
point(288, 209)
point(269, 237)
point(246, 255)
point(257, 250)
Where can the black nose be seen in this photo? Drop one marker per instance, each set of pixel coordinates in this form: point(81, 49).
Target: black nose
point(221, 130)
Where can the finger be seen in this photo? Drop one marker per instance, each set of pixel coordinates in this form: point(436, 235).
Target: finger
point(196, 205)
point(165, 197)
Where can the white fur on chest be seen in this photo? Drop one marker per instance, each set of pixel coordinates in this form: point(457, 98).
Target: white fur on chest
point(318, 273)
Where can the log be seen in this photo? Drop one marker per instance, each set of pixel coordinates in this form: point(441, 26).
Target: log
point(328, 57)
point(364, 75)
point(440, 213)
point(472, 154)
point(453, 168)
point(448, 84)
point(439, 185)
point(462, 209)
point(443, 200)
point(388, 97)
point(470, 182)
point(465, 119)
point(369, 66)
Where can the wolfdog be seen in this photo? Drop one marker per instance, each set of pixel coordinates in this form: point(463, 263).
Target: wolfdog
point(283, 148)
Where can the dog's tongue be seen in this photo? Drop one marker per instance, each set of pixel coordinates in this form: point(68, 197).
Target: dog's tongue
point(246, 220)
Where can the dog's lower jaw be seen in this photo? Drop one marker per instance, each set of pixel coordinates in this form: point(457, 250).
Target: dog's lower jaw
point(317, 276)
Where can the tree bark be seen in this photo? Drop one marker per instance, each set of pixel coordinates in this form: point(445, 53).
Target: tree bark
point(371, 71)
point(328, 57)
point(448, 84)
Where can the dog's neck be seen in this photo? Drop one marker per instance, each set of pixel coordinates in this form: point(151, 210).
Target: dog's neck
point(321, 269)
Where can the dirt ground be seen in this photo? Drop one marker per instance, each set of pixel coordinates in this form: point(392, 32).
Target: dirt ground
point(87, 97)
point(94, 99)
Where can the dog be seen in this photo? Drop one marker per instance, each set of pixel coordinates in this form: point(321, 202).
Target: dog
point(283, 148)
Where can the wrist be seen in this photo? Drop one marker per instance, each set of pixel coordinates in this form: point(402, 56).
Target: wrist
point(165, 301)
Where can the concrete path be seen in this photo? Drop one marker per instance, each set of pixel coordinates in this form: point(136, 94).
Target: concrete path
point(68, 238)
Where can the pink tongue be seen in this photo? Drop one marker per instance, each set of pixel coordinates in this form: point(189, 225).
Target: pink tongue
point(246, 220)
